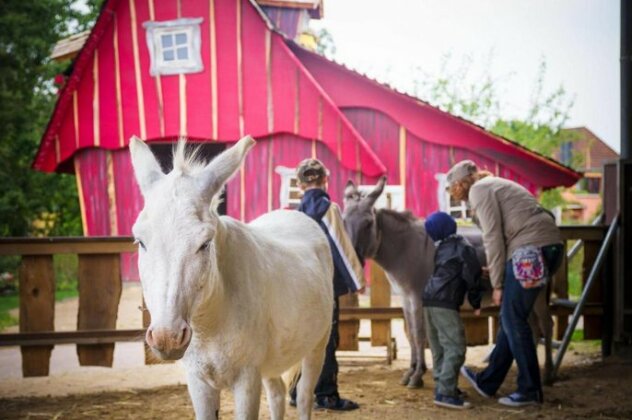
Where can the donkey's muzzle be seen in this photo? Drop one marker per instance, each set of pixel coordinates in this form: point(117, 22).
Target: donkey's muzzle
point(169, 343)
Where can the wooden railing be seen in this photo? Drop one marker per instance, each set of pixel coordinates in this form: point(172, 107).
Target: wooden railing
point(99, 284)
point(478, 329)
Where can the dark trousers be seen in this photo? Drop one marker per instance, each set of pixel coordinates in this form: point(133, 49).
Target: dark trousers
point(328, 381)
point(515, 340)
point(327, 384)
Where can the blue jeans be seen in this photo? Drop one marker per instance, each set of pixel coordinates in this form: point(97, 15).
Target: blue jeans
point(515, 340)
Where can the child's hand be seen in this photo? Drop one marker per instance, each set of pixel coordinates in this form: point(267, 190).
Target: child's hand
point(497, 296)
point(477, 312)
point(485, 272)
point(361, 290)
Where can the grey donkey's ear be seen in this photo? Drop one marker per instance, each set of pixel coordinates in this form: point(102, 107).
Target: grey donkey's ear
point(351, 192)
point(146, 168)
point(350, 188)
point(223, 167)
point(376, 192)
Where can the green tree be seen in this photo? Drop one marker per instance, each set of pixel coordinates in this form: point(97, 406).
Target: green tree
point(325, 44)
point(541, 129)
point(29, 31)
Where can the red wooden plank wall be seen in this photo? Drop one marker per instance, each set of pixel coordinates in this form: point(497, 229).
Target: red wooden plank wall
point(251, 84)
point(423, 159)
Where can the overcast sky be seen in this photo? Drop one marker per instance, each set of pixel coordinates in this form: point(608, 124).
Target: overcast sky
point(578, 40)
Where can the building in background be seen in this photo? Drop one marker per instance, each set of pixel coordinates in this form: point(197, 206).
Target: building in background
point(587, 153)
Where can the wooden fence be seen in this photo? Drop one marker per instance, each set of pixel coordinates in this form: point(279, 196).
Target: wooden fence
point(99, 284)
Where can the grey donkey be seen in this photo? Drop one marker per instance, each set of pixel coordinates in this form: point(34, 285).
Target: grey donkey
point(398, 242)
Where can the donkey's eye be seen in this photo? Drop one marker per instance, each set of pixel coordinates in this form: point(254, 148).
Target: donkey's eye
point(205, 246)
point(139, 242)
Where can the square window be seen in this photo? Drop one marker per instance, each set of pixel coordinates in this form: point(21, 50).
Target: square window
point(183, 53)
point(181, 39)
point(167, 55)
point(174, 46)
point(167, 41)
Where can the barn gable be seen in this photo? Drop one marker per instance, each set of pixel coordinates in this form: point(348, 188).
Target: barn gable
point(251, 83)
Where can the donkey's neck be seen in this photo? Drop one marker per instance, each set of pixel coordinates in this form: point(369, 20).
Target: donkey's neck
point(396, 232)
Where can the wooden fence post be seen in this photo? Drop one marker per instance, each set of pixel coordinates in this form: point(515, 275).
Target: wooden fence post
point(476, 330)
point(380, 297)
point(560, 290)
point(99, 296)
point(37, 310)
point(592, 323)
point(348, 330)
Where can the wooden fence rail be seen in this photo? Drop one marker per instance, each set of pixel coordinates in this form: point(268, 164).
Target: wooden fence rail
point(99, 283)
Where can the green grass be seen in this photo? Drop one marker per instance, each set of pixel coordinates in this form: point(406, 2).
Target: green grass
point(578, 335)
point(7, 303)
point(65, 267)
point(575, 273)
point(580, 345)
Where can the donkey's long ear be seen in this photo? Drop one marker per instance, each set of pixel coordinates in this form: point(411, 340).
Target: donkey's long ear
point(146, 168)
point(350, 188)
point(223, 167)
point(350, 193)
point(376, 192)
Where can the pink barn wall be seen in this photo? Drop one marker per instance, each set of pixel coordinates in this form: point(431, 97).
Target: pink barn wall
point(111, 203)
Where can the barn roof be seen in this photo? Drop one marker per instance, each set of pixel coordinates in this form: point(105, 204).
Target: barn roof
point(350, 89)
point(102, 106)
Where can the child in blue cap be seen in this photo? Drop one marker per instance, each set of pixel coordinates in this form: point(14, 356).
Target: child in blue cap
point(457, 271)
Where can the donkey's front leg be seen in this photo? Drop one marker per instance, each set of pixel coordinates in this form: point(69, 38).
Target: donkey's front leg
point(275, 393)
point(205, 398)
point(418, 334)
point(247, 390)
point(409, 335)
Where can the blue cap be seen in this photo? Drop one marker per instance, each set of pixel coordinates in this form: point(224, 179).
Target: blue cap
point(440, 225)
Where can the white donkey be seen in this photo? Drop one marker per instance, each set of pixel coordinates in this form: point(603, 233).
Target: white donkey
point(239, 303)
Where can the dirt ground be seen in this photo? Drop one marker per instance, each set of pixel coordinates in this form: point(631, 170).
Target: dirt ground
point(588, 387)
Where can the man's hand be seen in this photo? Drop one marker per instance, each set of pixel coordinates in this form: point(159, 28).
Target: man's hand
point(477, 312)
point(497, 296)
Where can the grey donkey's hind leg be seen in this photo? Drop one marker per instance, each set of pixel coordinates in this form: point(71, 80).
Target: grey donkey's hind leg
point(541, 323)
point(413, 313)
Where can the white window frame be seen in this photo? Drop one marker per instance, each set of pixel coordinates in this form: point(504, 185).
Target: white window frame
point(460, 211)
point(285, 195)
point(188, 26)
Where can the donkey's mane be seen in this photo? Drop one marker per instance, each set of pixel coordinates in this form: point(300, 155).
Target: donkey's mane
point(187, 161)
point(403, 218)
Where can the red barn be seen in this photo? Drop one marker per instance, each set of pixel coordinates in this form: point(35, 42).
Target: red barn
point(215, 70)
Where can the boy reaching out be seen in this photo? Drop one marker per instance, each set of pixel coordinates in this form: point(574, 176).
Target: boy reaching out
point(457, 271)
